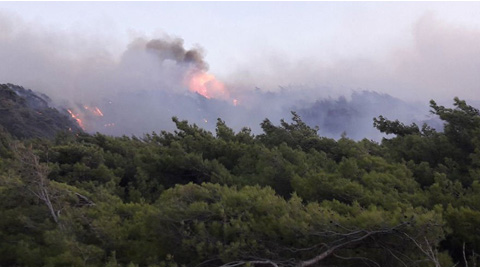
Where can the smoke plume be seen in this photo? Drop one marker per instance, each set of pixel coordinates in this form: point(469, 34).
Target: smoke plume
point(173, 49)
point(141, 88)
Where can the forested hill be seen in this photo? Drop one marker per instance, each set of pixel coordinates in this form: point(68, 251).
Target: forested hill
point(25, 114)
point(286, 197)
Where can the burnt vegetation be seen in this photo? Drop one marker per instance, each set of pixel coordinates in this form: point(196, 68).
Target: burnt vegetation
point(286, 197)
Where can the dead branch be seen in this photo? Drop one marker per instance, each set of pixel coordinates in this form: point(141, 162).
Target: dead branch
point(332, 249)
point(83, 200)
point(428, 250)
point(366, 260)
point(240, 263)
point(35, 174)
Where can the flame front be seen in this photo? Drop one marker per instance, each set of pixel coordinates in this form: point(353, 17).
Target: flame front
point(79, 121)
point(94, 110)
point(86, 115)
point(207, 85)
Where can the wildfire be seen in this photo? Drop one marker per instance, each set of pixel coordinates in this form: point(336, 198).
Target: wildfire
point(75, 116)
point(85, 115)
point(94, 110)
point(206, 85)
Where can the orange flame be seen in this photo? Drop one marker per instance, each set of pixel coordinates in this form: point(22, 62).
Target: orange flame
point(206, 85)
point(94, 110)
point(98, 111)
point(74, 116)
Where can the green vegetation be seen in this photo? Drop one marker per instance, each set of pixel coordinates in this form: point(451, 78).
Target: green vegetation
point(25, 114)
point(286, 197)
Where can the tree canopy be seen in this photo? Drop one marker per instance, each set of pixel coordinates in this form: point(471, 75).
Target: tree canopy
point(286, 197)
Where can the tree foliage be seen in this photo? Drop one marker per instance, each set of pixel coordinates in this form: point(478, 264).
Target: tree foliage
point(286, 197)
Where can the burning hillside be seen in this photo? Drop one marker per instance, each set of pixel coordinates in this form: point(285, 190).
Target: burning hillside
point(26, 114)
point(155, 80)
point(206, 85)
point(87, 117)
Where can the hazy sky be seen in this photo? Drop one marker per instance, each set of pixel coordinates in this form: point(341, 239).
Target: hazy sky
point(408, 49)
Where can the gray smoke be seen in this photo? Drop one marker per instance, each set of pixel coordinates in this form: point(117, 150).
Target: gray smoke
point(440, 62)
point(140, 89)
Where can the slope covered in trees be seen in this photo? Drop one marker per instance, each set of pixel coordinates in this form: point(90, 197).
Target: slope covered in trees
point(25, 114)
point(286, 197)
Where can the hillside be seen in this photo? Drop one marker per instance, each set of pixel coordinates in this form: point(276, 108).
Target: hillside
point(26, 114)
point(286, 197)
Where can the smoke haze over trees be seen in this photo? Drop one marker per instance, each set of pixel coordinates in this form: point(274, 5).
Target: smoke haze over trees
point(284, 197)
point(142, 152)
point(139, 89)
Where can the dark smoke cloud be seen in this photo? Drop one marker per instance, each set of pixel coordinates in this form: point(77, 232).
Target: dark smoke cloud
point(173, 49)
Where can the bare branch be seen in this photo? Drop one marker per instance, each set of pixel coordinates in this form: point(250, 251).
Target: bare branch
point(84, 201)
point(325, 254)
point(35, 175)
point(464, 255)
point(427, 250)
point(357, 258)
point(393, 254)
point(239, 263)
point(331, 250)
